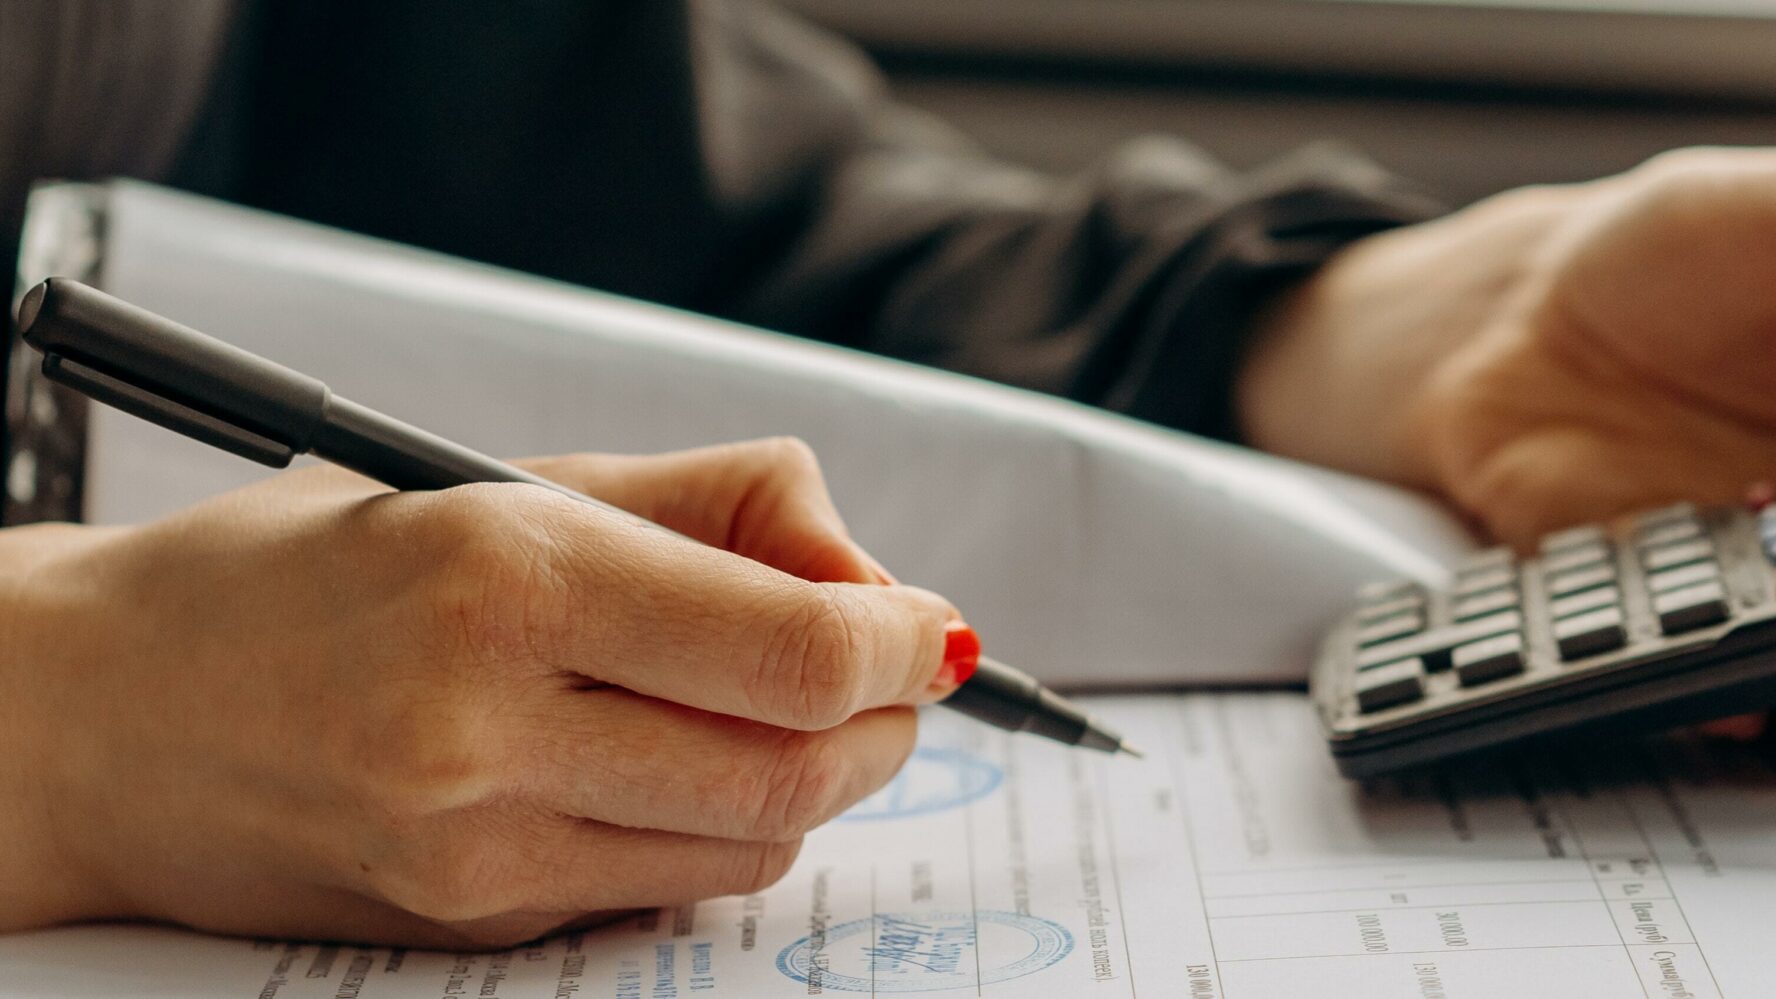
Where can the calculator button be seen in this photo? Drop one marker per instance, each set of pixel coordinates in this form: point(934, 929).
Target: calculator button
point(1389, 628)
point(1571, 537)
point(1482, 604)
point(1682, 553)
point(1675, 513)
point(1386, 686)
point(1590, 634)
point(1492, 659)
point(1388, 608)
point(1387, 589)
point(1691, 607)
point(1483, 580)
point(1577, 557)
point(1665, 534)
point(1683, 575)
point(1434, 647)
point(1585, 602)
point(1578, 580)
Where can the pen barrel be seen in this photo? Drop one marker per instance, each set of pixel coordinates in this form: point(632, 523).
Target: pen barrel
point(169, 373)
point(1012, 700)
point(406, 457)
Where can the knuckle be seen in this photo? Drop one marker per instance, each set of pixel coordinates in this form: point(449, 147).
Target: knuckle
point(1686, 160)
point(429, 753)
point(792, 454)
point(1695, 184)
point(802, 788)
point(462, 519)
point(490, 585)
point(808, 676)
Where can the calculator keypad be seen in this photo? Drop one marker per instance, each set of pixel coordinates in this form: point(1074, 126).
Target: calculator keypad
point(1669, 614)
point(1587, 599)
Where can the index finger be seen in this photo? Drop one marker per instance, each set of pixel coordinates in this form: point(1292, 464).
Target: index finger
point(669, 618)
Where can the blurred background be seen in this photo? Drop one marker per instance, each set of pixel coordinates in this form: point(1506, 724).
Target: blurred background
point(1466, 97)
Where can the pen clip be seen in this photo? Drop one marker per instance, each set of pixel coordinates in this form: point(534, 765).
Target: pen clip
point(177, 417)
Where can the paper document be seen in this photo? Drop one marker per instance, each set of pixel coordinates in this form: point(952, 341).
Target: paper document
point(1232, 863)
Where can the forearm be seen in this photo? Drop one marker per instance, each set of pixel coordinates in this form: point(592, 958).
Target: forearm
point(43, 880)
point(1339, 363)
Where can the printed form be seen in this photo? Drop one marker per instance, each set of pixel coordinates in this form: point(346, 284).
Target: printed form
point(1232, 863)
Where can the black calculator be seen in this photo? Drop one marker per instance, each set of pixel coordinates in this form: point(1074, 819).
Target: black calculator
point(1656, 620)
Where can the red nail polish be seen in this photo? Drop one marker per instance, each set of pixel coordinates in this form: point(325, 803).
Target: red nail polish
point(962, 650)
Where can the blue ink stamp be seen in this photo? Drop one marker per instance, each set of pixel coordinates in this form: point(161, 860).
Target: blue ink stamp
point(928, 952)
point(933, 780)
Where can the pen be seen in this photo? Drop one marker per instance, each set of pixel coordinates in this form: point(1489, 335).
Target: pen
point(172, 375)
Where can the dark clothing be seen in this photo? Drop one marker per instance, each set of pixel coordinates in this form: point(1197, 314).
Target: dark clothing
point(720, 156)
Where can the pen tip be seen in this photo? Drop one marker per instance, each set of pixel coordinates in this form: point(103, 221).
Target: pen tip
point(1129, 748)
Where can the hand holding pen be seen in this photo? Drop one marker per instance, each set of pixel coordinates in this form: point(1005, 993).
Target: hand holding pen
point(464, 716)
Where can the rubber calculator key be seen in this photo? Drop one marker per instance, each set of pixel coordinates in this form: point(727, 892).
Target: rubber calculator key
point(1682, 576)
point(1584, 602)
point(1573, 537)
point(1669, 533)
point(1691, 607)
point(1564, 583)
point(1481, 604)
point(1682, 553)
point(1591, 633)
point(1397, 682)
point(1481, 580)
point(1389, 628)
point(1675, 513)
point(1490, 659)
point(1576, 557)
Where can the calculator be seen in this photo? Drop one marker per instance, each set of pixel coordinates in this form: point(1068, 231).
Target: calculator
point(1655, 620)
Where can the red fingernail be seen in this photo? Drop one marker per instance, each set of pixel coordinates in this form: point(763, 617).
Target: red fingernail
point(962, 649)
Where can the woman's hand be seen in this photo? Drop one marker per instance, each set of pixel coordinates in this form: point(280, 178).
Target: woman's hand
point(1548, 357)
point(316, 708)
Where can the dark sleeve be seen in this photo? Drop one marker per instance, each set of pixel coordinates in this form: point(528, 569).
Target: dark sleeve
point(724, 157)
point(1130, 286)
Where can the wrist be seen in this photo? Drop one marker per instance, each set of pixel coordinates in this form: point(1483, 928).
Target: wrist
point(43, 880)
point(1339, 363)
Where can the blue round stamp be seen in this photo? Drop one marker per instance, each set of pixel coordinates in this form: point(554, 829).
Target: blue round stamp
point(933, 780)
point(927, 952)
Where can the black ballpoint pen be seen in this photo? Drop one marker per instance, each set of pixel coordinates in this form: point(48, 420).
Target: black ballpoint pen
point(151, 367)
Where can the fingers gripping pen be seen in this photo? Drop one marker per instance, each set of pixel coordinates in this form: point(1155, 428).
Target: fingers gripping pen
point(151, 367)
